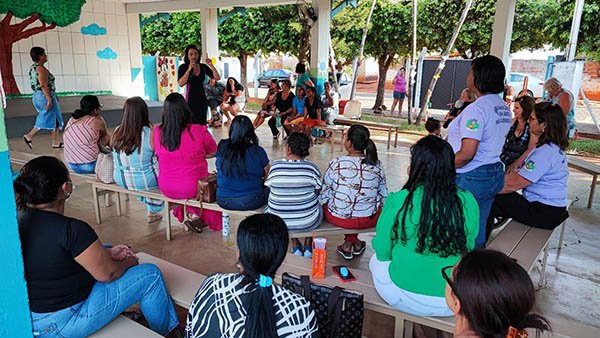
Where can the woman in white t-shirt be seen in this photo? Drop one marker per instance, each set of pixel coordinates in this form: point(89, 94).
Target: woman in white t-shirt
point(477, 136)
point(543, 177)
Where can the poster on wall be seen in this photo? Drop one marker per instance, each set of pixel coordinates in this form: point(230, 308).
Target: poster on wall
point(167, 76)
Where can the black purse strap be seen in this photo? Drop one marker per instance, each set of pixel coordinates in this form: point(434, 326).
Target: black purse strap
point(305, 282)
point(334, 308)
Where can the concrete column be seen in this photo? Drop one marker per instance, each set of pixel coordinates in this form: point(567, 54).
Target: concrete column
point(210, 32)
point(502, 31)
point(136, 88)
point(319, 46)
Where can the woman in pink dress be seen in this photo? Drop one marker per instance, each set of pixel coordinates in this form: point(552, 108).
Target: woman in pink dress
point(182, 149)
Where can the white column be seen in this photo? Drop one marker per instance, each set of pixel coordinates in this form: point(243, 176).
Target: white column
point(502, 30)
point(210, 34)
point(319, 45)
point(136, 88)
point(572, 46)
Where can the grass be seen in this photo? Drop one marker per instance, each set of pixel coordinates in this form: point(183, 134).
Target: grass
point(587, 147)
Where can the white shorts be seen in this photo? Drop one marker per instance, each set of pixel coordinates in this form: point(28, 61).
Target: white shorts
point(405, 301)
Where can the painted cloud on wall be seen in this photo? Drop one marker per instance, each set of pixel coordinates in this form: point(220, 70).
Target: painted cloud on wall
point(107, 53)
point(93, 29)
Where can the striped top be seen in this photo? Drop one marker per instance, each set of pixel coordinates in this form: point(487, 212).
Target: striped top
point(352, 189)
point(138, 170)
point(292, 196)
point(81, 140)
point(219, 310)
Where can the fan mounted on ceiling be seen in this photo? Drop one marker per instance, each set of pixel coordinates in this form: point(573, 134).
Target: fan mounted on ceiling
point(306, 12)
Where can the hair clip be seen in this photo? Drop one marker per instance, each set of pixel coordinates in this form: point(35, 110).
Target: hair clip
point(264, 281)
point(516, 333)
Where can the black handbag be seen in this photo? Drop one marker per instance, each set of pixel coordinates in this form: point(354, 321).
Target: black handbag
point(339, 312)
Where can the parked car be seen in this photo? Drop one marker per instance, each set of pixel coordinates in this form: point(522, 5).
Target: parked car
point(264, 79)
point(535, 85)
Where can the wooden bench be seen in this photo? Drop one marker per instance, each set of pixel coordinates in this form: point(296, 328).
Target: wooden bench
point(373, 125)
point(124, 327)
point(588, 168)
point(99, 189)
point(364, 284)
point(334, 129)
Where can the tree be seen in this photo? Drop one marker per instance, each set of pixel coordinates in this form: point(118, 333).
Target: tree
point(388, 37)
point(170, 36)
point(346, 30)
point(50, 14)
point(560, 13)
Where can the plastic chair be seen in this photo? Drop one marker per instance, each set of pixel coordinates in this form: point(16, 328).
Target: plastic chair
point(353, 110)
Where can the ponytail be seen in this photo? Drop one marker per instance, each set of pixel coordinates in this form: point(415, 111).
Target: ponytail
point(534, 321)
point(79, 113)
point(87, 105)
point(261, 320)
point(371, 153)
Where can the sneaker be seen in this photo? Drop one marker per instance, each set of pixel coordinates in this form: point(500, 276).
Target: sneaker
point(276, 136)
point(308, 253)
point(297, 251)
point(346, 254)
point(358, 251)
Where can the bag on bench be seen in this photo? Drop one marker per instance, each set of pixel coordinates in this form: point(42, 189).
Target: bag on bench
point(339, 312)
point(207, 189)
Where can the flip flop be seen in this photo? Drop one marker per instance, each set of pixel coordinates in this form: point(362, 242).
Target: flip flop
point(154, 218)
point(196, 225)
point(59, 146)
point(27, 142)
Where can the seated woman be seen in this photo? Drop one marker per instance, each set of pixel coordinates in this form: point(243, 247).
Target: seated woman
point(297, 116)
point(75, 285)
point(519, 140)
point(182, 149)
point(294, 191)
point(84, 135)
point(354, 189)
point(331, 104)
point(543, 178)
point(312, 112)
point(135, 162)
point(233, 97)
point(284, 103)
point(411, 243)
point(248, 303)
point(242, 166)
point(491, 295)
point(268, 105)
point(466, 98)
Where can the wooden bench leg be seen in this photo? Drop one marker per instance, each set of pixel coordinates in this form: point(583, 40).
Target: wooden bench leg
point(562, 236)
point(107, 199)
point(543, 270)
point(96, 204)
point(592, 191)
point(332, 143)
point(119, 204)
point(399, 328)
point(389, 138)
point(168, 228)
point(396, 139)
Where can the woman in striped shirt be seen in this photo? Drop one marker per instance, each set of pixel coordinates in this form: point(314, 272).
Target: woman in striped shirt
point(84, 135)
point(294, 186)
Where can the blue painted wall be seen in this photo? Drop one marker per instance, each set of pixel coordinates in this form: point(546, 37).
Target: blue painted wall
point(150, 78)
point(14, 306)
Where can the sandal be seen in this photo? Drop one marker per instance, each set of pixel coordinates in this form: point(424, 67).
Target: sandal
point(360, 250)
point(59, 146)
point(346, 254)
point(27, 142)
point(154, 217)
point(195, 225)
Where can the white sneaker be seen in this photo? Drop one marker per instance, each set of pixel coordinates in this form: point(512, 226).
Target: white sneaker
point(297, 251)
point(308, 253)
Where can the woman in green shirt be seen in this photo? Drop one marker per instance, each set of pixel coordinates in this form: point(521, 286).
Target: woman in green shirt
point(427, 225)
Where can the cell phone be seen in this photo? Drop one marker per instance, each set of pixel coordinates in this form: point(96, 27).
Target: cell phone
point(343, 273)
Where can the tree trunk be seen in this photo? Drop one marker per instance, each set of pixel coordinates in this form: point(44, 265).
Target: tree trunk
point(243, 57)
point(8, 77)
point(384, 62)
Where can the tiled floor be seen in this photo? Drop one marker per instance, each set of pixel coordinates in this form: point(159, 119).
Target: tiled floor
point(572, 292)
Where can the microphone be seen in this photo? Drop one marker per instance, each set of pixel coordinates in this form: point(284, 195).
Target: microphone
point(458, 106)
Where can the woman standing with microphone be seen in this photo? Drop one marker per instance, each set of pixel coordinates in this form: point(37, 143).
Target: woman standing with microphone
point(193, 75)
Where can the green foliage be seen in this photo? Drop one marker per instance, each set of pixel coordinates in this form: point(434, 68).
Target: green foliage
point(346, 31)
point(61, 13)
point(171, 36)
point(591, 147)
point(389, 33)
point(560, 13)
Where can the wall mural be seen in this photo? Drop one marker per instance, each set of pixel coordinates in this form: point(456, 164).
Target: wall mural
point(167, 79)
point(93, 29)
point(107, 53)
point(49, 13)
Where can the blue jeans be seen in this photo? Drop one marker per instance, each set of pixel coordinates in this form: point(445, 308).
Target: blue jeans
point(246, 202)
point(82, 168)
point(141, 284)
point(484, 183)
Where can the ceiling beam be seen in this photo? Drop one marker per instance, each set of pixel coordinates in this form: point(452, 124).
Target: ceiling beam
point(196, 5)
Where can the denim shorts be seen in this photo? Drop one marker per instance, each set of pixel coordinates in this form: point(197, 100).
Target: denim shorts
point(82, 168)
point(399, 95)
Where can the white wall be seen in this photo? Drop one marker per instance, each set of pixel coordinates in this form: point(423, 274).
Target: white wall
point(72, 55)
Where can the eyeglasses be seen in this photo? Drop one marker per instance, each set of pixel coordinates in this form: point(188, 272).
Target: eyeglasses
point(446, 277)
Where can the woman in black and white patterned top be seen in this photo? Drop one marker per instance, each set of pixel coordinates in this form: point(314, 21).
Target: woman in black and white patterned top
point(234, 305)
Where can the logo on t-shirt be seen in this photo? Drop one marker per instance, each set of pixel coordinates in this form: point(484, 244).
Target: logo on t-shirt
point(472, 124)
point(530, 165)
